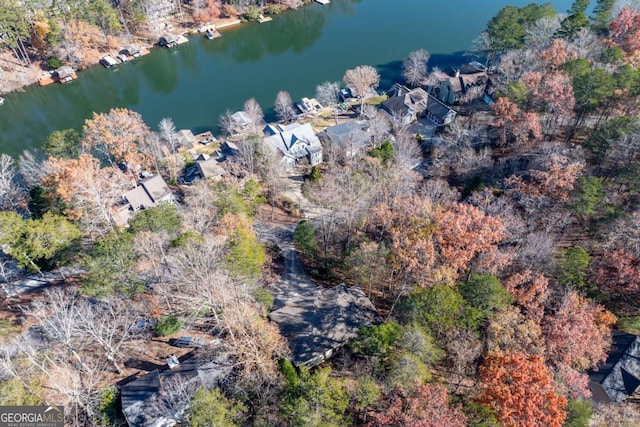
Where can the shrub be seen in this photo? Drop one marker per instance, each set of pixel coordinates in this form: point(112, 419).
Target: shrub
point(273, 9)
point(264, 297)
point(304, 237)
point(54, 62)
point(252, 13)
point(168, 325)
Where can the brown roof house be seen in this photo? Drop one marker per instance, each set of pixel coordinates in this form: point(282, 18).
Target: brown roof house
point(619, 377)
point(318, 322)
point(295, 142)
point(149, 192)
point(411, 104)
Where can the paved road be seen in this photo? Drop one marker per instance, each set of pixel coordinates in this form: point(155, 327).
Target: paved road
point(294, 280)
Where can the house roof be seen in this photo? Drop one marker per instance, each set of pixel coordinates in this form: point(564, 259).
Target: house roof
point(276, 128)
point(132, 49)
point(619, 376)
point(347, 135)
point(438, 108)
point(186, 138)
point(296, 141)
point(395, 104)
point(209, 168)
point(138, 198)
point(475, 79)
point(64, 71)
point(323, 320)
point(169, 38)
point(137, 396)
point(406, 101)
point(155, 187)
point(241, 118)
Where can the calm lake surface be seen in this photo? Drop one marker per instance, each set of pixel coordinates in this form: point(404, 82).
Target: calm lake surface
point(196, 82)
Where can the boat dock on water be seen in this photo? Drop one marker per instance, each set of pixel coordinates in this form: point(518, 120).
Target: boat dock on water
point(213, 34)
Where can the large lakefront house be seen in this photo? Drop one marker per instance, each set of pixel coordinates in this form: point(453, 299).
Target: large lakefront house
point(411, 104)
point(294, 142)
point(463, 84)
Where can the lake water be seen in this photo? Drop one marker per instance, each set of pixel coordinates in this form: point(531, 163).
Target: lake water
point(196, 82)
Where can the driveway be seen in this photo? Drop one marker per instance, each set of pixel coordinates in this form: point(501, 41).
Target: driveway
point(294, 281)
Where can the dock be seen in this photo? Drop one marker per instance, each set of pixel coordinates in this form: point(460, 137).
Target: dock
point(213, 34)
point(262, 19)
point(64, 74)
point(323, 1)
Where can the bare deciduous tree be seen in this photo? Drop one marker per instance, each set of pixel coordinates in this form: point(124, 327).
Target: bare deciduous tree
point(109, 326)
point(174, 397)
point(408, 154)
point(256, 116)
point(200, 214)
point(362, 80)
point(167, 131)
point(328, 95)
point(32, 168)
point(227, 124)
point(284, 107)
point(11, 194)
point(541, 32)
point(414, 67)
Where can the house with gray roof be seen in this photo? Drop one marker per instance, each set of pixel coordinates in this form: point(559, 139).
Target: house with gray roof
point(186, 138)
point(321, 321)
point(619, 377)
point(350, 136)
point(148, 193)
point(295, 142)
point(411, 104)
point(209, 167)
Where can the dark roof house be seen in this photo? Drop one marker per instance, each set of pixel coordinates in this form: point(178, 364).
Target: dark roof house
point(142, 399)
point(410, 104)
point(619, 377)
point(462, 84)
point(318, 323)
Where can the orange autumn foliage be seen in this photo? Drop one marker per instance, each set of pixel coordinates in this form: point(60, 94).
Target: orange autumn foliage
point(464, 231)
point(521, 391)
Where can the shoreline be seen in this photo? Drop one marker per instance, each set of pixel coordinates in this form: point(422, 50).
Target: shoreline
point(30, 76)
